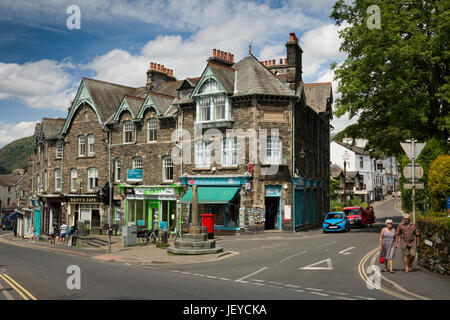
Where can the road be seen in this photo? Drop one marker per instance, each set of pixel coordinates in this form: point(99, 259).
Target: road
point(307, 265)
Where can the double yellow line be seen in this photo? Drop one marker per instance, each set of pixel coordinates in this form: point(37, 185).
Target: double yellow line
point(20, 290)
point(364, 276)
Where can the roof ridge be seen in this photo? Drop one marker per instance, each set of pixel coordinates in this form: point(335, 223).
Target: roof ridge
point(160, 94)
point(316, 83)
point(111, 83)
point(133, 97)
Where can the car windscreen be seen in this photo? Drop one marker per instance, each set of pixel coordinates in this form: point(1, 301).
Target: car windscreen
point(352, 212)
point(335, 216)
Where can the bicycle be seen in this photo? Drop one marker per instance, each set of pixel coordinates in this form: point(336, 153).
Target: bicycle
point(148, 236)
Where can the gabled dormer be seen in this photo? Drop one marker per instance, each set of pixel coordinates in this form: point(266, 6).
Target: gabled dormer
point(211, 96)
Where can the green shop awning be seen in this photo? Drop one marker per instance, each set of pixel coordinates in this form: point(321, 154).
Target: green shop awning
point(212, 194)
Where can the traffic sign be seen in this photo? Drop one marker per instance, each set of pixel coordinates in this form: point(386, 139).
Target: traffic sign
point(409, 186)
point(418, 147)
point(418, 171)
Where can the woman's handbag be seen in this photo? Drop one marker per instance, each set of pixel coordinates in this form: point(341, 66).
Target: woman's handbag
point(381, 259)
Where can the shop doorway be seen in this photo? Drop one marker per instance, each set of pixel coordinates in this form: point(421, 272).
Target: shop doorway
point(272, 210)
point(95, 222)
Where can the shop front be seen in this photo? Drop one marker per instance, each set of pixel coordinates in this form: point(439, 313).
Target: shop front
point(84, 209)
point(152, 206)
point(220, 196)
point(305, 202)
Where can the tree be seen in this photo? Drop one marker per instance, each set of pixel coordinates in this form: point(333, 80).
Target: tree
point(396, 78)
point(439, 182)
point(334, 188)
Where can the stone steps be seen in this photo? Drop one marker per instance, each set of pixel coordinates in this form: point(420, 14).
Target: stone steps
point(194, 244)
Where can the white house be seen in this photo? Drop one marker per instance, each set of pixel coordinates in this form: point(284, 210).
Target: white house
point(380, 176)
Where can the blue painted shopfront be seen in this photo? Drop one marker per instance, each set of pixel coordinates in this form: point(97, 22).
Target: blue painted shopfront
point(305, 201)
point(275, 192)
point(37, 218)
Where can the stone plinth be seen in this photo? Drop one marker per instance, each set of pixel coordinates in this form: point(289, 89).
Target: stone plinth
point(194, 244)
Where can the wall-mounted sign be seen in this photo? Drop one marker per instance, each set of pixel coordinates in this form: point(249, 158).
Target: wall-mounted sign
point(273, 191)
point(134, 175)
point(83, 199)
point(287, 212)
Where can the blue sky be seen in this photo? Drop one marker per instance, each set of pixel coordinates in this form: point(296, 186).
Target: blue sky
point(42, 61)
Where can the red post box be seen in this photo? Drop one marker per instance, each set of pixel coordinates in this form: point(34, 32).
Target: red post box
point(208, 222)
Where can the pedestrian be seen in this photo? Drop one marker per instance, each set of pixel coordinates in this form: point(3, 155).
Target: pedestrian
point(74, 235)
point(53, 233)
point(409, 239)
point(62, 232)
point(387, 245)
point(32, 234)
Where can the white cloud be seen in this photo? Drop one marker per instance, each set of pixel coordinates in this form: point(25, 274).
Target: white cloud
point(12, 131)
point(44, 84)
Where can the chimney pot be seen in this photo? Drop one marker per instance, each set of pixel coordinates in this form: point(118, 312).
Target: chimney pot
point(285, 60)
point(214, 52)
point(270, 63)
point(281, 61)
point(222, 54)
point(232, 57)
point(265, 63)
point(151, 65)
point(218, 53)
point(293, 37)
point(159, 67)
point(273, 62)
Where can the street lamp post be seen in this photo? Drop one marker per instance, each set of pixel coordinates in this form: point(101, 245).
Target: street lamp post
point(346, 157)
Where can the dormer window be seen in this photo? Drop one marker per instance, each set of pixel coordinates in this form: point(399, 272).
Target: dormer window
point(209, 86)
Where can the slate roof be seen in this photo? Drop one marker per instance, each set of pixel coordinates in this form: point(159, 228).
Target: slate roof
point(135, 103)
point(170, 88)
point(335, 171)
point(355, 149)
point(162, 102)
point(51, 127)
point(107, 96)
point(317, 94)
point(9, 179)
point(224, 74)
point(254, 78)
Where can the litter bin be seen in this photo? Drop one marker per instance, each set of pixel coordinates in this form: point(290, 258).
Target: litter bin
point(208, 222)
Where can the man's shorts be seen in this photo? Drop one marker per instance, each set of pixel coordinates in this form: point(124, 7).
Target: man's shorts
point(62, 235)
point(409, 251)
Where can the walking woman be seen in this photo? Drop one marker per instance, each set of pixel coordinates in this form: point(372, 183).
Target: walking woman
point(387, 245)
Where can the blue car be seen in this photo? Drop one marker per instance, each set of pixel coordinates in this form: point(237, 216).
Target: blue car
point(335, 221)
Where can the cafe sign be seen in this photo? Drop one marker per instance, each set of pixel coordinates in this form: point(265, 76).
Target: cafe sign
point(83, 199)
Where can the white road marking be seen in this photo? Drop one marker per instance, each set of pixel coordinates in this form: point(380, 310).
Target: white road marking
point(183, 272)
point(198, 275)
point(257, 280)
point(292, 286)
point(293, 256)
point(276, 283)
point(211, 277)
point(297, 290)
point(6, 293)
point(314, 289)
point(225, 279)
point(365, 298)
point(326, 244)
point(251, 274)
point(312, 266)
point(174, 271)
point(344, 298)
point(344, 251)
point(320, 294)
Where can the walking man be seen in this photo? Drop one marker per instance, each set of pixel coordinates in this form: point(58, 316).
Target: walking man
point(409, 239)
point(62, 232)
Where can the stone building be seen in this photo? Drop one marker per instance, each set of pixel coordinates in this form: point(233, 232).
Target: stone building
point(265, 166)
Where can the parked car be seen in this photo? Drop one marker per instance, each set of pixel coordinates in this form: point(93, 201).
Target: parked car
point(360, 217)
point(6, 224)
point(335, 221)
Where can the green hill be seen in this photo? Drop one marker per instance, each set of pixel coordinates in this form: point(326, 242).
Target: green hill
point(16, 155)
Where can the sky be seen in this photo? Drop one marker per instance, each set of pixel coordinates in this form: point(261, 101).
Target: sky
point(42, 60)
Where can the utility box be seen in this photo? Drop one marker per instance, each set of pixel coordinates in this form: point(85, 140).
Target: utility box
point(129, 236)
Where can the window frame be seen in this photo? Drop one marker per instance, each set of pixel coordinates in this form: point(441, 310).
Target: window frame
point(205, 154)
point(117, 169)
point(91, 142)
point(269, 146)
point(229, 151)
point(94, 177)
point(166, 167)
point(152, 132)
point(58, 180)
point(58, 149)
point(137, 163)
point(81, 138)
point(72, 184)
point(127, 124)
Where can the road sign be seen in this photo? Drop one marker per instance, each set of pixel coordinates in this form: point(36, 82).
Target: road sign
point(409, 186)
point(418, 147)
point(418, 171)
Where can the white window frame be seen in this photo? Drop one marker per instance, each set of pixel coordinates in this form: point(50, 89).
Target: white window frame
point(229, 152)
point(73, 179)
point(152, 130)
point(167, 169)
point(45, 180)
point(273, 150)
point(202, 154)
point(223, 99)
point(58, 149)
point(127, 127)
point(210, 103)
point(117, 169)
point(137, 163)
point(93, 174)
point(57, 179)
point(81, 145)
point(91, 144)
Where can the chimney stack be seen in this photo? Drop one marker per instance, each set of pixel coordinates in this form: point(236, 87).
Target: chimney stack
point(293, 62)
point(157, 75)
point(222, 57)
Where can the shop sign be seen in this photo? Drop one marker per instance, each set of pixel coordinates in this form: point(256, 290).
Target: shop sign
point(134, 175)
point(83, 199)
point(274, 191)
point(155, 191)
point(287, 212)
